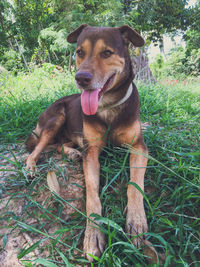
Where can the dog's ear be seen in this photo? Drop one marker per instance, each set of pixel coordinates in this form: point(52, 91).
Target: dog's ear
point(73, 36)
point(130, 35)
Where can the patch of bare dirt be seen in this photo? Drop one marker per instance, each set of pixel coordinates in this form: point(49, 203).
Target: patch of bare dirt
point(71, 181)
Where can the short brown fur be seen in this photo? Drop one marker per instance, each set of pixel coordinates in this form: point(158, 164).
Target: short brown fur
point(101, 53)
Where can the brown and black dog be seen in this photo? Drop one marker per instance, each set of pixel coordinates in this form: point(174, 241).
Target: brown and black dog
point(109, 99)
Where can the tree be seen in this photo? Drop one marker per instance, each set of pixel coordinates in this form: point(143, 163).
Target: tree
point(33, 21)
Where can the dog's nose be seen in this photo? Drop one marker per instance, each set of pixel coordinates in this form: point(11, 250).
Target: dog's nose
point(83, 78)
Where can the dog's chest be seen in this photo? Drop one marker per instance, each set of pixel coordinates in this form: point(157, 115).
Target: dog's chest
point(109, 115)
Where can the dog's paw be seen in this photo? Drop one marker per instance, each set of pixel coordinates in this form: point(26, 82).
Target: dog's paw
point(94, 242)
point(70, 152)
point(136, 224)
point(153, 256)
point(74, 154)
point(30, 165)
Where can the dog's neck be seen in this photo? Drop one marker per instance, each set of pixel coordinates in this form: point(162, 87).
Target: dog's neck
point(120, 102)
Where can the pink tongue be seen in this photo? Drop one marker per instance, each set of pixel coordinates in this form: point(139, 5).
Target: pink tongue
point(89, 101)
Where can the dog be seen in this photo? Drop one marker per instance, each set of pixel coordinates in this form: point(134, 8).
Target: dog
point(108, 100)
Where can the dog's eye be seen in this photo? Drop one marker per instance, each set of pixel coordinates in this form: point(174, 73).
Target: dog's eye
point(80, 53)
point(106, 53)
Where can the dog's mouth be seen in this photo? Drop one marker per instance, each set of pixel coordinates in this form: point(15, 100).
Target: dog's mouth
point(91, 98)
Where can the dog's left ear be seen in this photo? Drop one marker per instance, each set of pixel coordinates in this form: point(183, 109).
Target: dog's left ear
point(130, 35)
point(73, 36)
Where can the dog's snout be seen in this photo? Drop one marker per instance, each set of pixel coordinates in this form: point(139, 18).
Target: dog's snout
point(83, 78)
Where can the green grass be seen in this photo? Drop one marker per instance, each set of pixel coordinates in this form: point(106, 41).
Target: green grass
point(24, 97)
point(172, 179)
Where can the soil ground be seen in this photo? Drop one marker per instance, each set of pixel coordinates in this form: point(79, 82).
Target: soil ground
point(12, 239)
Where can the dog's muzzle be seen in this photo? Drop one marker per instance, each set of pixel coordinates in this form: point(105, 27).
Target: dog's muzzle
point(90, 98)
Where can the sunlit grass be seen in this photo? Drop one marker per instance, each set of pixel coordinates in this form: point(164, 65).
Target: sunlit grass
point(171, 113)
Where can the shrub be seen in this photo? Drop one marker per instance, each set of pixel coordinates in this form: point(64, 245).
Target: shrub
point(176, 64)
point(12, 61)
point(157, 67)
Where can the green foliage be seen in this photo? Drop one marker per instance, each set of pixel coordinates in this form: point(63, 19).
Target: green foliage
point(29, 94)
point(31, 16)
point(193, 62)
point(12, 61)
point(174, 66)
point(172, 176)
point(179, 64)
point(158, 17)
point(40, 27)
point(53, 46)
point(192, 38)
point(157, 67)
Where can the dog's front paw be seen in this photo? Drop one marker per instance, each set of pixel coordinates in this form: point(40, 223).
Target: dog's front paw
point(30, 165)
point(136, 224)
point(94, 242)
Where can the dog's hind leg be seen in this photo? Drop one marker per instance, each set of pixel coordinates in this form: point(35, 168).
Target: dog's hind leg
point(69, 151)
point(33, 139)
point(49, 131)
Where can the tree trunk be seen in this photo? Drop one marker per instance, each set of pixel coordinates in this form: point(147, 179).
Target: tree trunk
point(22, 55)
point(141, 68)
point(70, 61)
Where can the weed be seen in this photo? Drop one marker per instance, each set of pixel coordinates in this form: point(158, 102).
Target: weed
point(172, 196)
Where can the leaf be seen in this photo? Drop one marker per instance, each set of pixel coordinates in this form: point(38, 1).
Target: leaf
point(67, 264)
point(52, 182)
point(93, 257)
point(106, 221)
point(4, 240)
point(141, 191)
point(45, 262)
point(30, 249)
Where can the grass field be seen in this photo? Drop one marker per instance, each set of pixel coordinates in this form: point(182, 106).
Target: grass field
point(172, 117)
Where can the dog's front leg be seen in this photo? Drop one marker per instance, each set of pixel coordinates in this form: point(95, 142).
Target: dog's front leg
point(136, 222)
point(94, 239)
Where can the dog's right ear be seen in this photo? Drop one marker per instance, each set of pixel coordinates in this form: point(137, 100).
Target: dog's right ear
point(73, 36)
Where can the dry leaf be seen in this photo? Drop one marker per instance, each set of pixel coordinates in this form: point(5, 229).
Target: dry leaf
point(52, 182)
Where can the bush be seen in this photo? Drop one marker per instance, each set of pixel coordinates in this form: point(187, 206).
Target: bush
point(193, 62)
point(157, 67)
point(53, 47)
point(180, 64)
point(176, 64)
point(12, 61)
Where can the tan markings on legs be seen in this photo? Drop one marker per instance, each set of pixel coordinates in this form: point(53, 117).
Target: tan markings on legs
point(37, 130)
point(91, 169)
point(136, 222)
point(127, 135)
point(31, 160)
point(50, 130)
point(136, 219)
point(94, 134)
point(94, 239)
point(50, 148)
point(65, 145)
point(69, 151)
point(33, 139)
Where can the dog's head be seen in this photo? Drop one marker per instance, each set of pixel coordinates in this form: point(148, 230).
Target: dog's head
point(102, 60)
